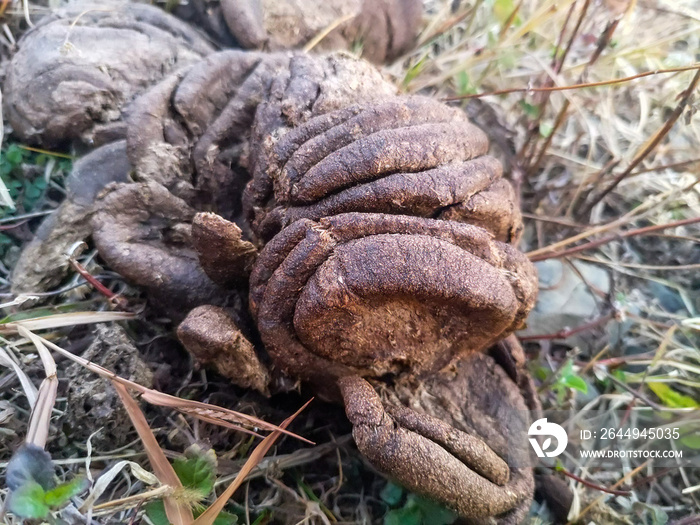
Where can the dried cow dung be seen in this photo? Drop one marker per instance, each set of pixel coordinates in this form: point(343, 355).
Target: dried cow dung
point(327, 295)
point(43, 262)
point(380, 30)
point(191, 132)
point(386, 276)
point(408, 155)
point(78, 68)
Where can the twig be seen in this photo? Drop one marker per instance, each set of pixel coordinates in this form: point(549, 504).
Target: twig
point(648, 267)
point(509, 21)
point(553, 220)
point(568, 332)
point(651, 143)
point(694, 67)
point(326, 31)
point(135, 500)
point(592, 485)
point(25, 8)
point(603, 42)
point(47, 152)
point(24, 216)
point(637, 395)
point(533, 132)
point(595, 244)
point(617, 484)
point(113, 298)
point(637, 213)
point(558, 62)
point(446, 26)
point(591, 182)
point(673, 165)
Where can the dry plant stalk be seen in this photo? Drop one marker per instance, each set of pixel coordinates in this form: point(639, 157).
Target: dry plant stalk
point(543, 254)
point(209, 515)
point(206, 412)
point(177, 510)
point(178, 513)
point(40, 419)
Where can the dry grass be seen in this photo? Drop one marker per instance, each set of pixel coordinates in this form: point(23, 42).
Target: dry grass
point(608, 173)
point(603, 171)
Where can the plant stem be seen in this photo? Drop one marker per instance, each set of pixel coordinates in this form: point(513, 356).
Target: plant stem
point(631, 233)
point(693, 67)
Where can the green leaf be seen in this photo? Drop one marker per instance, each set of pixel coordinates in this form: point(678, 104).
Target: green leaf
point(414, 71)
point(197, 470)
point(542, 373)
point(13, 184)
point(570, 379)
point(420, 511)
point(391, 494)
point(262, 517)
point(691, 441)
point(28, 501)
point(435, 514)
point(671, 398)
point(155, 510)
point(14, 154)
point(464, 84)
point(226, 518)
point(649, 514)
point(60, 495)
point(32, 191)
point(620, 375)
point(546, 129)
point(576, 382)
point(530, 110)
point(404, 516)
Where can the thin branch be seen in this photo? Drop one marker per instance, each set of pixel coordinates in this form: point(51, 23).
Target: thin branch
point(326, 31)
point(595, 244)
point(446, 26)
point(693, 67)
point(603, 42)
point(627, 476)
point(533, 131)
point(673, 165)
point(509, 21)
point(554, 220)
point(114, 299)
point(651, 143)
point(593, 485)
point(568, 332)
